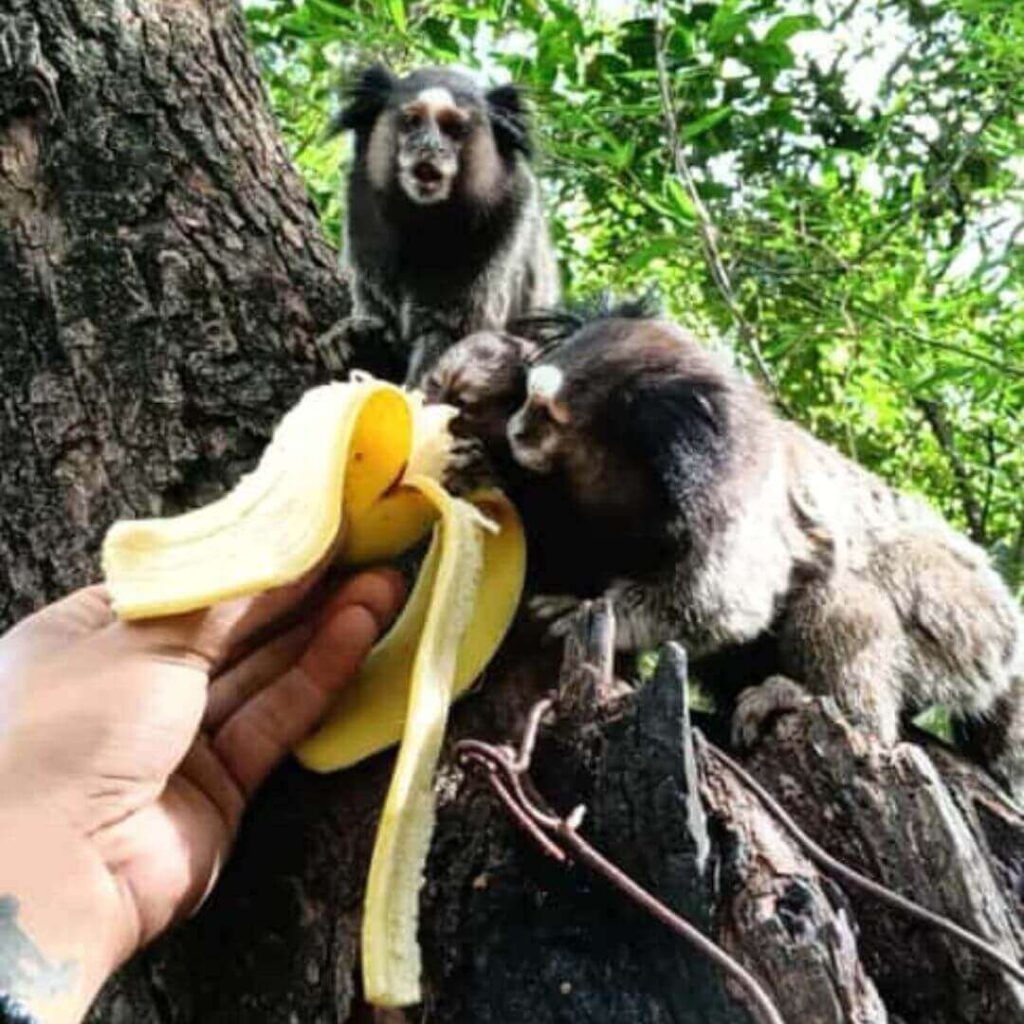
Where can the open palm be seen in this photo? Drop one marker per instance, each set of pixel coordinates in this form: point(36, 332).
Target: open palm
point(148, 738)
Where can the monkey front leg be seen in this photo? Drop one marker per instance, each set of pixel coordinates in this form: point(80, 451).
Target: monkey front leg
point(639, 613)
point(369, 333)
point(434, 330)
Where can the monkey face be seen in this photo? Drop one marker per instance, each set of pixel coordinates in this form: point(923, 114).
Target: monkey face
point(630, 414)
point(435, 133)
point(536, 432)
point(484, 377)
point(430, 132)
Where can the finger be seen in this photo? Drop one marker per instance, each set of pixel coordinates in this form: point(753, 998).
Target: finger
point(379, 592)
point(240, 621)
point(87, 609)
point(205, 771)
point(237, 624)
point(214, 637)
point(261, 732)
point(232, 688)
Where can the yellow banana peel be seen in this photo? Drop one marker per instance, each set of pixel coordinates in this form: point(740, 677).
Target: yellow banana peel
point(354, 468)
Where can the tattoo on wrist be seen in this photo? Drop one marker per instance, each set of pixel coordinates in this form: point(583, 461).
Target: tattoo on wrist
point(24, 972)
point(12, 1013)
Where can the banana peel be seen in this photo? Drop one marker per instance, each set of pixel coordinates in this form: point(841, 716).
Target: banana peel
point(370, 713)
point(353, 471)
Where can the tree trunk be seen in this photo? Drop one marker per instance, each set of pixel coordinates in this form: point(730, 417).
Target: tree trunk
point(162, 274)
point(164, 296)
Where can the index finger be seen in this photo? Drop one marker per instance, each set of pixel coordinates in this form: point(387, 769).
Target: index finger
point(217, 635)
point(261, 732)
point(267, 660)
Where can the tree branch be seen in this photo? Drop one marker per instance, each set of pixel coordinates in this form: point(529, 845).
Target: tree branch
point(708, 231)
point(934, 412)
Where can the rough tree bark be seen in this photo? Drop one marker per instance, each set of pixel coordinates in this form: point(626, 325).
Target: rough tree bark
point(164, 293)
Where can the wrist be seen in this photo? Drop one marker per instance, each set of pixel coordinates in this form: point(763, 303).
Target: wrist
point(64, 924)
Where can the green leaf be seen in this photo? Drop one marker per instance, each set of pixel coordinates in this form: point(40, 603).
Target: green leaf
point(396, 8)
point(788, 26)
point(667, 246)
point(680, 200)
point(703, 124)
point(730, 20)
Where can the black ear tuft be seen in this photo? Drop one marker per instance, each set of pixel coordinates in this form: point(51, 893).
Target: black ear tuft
point(679, 427)
point(365, 98)
point(510, 120)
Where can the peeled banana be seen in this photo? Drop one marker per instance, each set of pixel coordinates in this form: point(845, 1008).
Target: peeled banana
point(354, 469)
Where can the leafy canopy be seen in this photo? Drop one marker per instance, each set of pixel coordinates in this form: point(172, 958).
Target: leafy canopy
point(862, 165)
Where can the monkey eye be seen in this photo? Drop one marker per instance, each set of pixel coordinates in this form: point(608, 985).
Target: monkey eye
point(410, 120)
point(456, 128)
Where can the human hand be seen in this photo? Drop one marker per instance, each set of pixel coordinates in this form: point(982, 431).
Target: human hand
point(132, 747)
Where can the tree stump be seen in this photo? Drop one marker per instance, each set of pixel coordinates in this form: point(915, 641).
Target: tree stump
point(165, 295)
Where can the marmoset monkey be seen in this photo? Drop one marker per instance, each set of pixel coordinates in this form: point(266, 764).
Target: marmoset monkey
point(708, 519)
point(445, 234)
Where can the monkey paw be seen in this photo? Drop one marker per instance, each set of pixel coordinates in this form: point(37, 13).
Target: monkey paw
point(468, 467)
point(333, 347)
point(758, 705)
point(555, 612)
point(365, 336)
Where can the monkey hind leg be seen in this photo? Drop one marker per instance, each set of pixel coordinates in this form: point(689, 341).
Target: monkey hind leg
point(961, 625)
point(843, 638)
point(963, 645)
point(996, 739)
point(759, 705)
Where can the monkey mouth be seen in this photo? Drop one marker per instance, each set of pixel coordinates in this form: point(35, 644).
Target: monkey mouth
point(528, 456)
point(426, 182)
point(427, 175)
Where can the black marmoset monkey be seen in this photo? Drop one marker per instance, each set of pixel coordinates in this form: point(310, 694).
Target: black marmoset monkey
point(445, 234)
point(649, 469)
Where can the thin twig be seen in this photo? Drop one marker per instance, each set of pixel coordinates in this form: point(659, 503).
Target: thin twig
point(934, 413)
point(813, 298)
point(708, 231)
point(968, 146)
point(838, 869)
point(507, 773)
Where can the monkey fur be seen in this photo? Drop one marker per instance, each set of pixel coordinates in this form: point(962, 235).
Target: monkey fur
point(648, 469)
point(445, 234)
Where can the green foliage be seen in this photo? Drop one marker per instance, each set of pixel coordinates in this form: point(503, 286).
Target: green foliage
point(863, 165)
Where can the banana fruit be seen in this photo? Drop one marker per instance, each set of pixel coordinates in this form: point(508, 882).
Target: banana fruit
point(353, 472)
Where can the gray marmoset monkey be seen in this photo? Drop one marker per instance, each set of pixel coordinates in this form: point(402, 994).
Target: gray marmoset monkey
point(648, 469)
point(444, 229)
